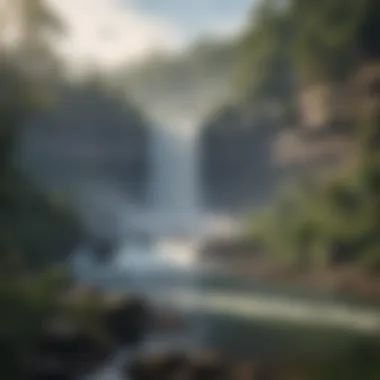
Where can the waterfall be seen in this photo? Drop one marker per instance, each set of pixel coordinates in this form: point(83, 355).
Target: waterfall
point(171, 217)
point(174, 172)
point(173, 195)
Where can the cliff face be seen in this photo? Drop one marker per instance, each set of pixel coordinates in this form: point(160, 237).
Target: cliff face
point(322, 142)
point(244, 158)
point(237, 170)
point(87, 137)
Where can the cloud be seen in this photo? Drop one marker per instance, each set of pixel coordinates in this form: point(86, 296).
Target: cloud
point(225, 29)
point(107, 33)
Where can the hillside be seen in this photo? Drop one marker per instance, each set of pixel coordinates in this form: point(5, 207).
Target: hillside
point(316, 129)
point(299, 84)
point(89, 134)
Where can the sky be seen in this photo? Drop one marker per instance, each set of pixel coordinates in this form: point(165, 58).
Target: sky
point(107, 33)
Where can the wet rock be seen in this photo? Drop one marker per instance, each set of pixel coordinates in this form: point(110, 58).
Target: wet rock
point(243, 371)
point(47, 368)
point(263, 372)
point(60, 339)
point(127, 320)
point(209, 366)
point(167, 320)
point(124, 319)
point(159, 366)
point(63, 343)
point(178, 366)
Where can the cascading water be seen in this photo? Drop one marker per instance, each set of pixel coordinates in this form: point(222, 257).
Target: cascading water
point(173, 210)
point(174, 190)
point(171, 218)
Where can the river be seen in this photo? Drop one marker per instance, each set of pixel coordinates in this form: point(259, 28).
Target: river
point(240, 316)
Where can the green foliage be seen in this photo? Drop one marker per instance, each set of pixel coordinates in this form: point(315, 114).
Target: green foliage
point(30, 224)
point(263, 67)
point(27, 303)
point(290, 44)
point(337, 222)
point(360, 359)
point(304, 42)
point(324, 38)
point(35, 233)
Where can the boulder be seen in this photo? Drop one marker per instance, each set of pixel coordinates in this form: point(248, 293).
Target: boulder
point(243, 371)
point(209, 366)
point(123, 319)
point(48, 368)
point(167, 320)
point(127, 320)
point(263, 372)
point(158, 366)
point(179, 366)
point(69, 347)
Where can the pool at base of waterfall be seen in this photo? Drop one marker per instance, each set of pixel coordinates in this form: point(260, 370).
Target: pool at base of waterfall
point(239, 316)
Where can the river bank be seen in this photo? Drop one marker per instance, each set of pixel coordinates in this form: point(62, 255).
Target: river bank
point(198, 323)
point(244, 259)
point(233, 349)
point(242, 318)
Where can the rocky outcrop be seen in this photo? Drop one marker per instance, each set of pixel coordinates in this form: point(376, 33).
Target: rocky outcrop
point(159, 366)
point(227, 248)
point(297, 153)
point(237, 169)
point(167, 320)
point(127, 321)
point(209, 366)
point(177, 365)
point(358, 357)
point(66, 348)
point(48, 369)
point(89, 136)
point(202, 365)
point(92, 326)
point(326, 105)
point(247, 150)
point(122, 319)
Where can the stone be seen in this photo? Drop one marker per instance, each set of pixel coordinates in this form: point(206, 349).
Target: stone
point(168, 320)
point(209, 366)
point(48, 368)
point(72, 348)
point(243, 371)
point(127, 320)
point(158, 366)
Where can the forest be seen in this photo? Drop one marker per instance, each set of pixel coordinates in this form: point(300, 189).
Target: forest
point(39, 224)
point(308, 224)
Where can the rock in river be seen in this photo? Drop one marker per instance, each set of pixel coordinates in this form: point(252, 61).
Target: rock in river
point(127, 320)
point(158, 366)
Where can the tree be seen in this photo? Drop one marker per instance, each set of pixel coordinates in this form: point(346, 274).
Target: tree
point(325, 38)
point(36, 20)
point(264, 58)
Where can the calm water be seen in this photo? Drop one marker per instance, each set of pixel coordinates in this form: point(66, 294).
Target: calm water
point(210, 294)
point(240, 316)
